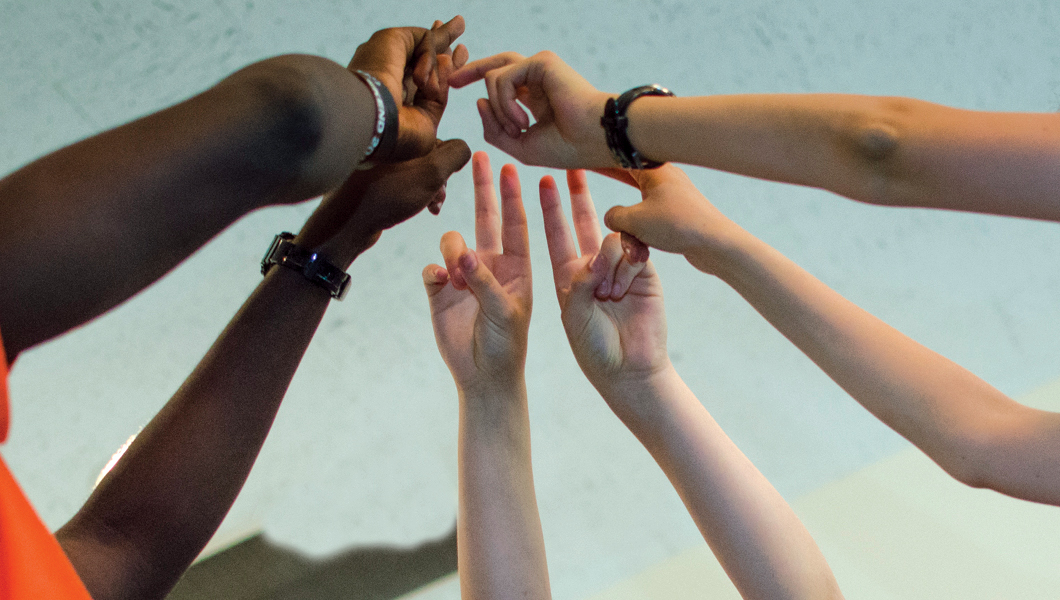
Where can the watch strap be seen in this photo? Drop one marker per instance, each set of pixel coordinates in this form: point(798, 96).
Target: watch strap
point(616, 124)
point(314, 267)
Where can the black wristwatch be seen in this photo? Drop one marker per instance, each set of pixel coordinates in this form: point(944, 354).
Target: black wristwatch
point(313, 266)
point(615, 123)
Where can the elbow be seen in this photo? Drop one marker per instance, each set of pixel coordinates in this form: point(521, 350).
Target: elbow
point(978, 460)
point(875, 140)
point(289, 118)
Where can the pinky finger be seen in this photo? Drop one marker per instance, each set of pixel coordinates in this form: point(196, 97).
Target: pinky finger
point(434, 279)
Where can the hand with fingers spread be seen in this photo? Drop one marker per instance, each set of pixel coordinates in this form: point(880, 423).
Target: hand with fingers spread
point(481, 300)
point(610, 296)
point(612, 310)
point(480, 306)
point(415, 65)
point(566, 108)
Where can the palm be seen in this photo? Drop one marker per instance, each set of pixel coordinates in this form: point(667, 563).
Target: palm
point(481, 317)
point(612, 339)
point(472, 343)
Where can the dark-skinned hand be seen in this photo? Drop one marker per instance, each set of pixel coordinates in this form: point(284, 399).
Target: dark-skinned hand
point(351, 218)
point(414, 63)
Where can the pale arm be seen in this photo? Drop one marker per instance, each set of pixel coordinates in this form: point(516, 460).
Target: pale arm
point(612, 309)
point(973, 431)
point(480, 307)
point(883, 150)
point(501, 547)
point(755, 535)
point(977, 434)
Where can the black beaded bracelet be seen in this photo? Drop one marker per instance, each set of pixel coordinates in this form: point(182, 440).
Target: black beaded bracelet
point(615, 124)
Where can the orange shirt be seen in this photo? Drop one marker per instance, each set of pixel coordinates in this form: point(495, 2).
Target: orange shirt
point(32, 564)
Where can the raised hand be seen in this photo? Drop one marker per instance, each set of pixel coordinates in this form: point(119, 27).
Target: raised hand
point(610, 297)
point(481, 300)
point(351, 218)
point(414, 64)
point(673, 216)
point(566, 108)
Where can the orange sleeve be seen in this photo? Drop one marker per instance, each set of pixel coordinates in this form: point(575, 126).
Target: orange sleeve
point(32, 563)
point(5, 415)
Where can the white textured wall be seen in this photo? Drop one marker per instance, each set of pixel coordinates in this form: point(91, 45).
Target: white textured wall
point(363, 450)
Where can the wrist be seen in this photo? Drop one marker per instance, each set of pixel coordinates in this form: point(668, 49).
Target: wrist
point(635, 397)
point(726, 258)
point(716, 251)
point(483, 389)
point(598, 154)
point(496, 401)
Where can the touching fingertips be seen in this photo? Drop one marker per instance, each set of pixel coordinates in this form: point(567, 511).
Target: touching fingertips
point(468, 261)
point(456, 277)
point(603, 291)
point(635, 249)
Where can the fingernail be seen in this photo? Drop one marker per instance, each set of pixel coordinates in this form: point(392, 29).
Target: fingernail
point(468, 262)
point(635, 249)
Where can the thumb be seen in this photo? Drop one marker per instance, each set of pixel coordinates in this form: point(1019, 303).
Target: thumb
point(446, 158)
point(622, 219)
point(434, 279)
point(487, 290)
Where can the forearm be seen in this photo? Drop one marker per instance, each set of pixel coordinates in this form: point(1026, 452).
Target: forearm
point(502, 551)
point(973, 431)
point(759, 541)
point(153, 514)
point(883, 150)
point(88, 226)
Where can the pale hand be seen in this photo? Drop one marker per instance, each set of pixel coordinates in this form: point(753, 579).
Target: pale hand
point(674, 216)
point(481, 300)
point(610, 297)
point(566, 108)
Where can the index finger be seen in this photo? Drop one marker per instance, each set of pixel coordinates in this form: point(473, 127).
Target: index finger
point(477, 69)
point(439, 36)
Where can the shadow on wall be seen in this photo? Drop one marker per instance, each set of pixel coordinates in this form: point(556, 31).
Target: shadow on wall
point(257, 569)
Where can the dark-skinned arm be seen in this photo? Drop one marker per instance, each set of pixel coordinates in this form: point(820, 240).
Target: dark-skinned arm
point(156, 510)
point(86, 227)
